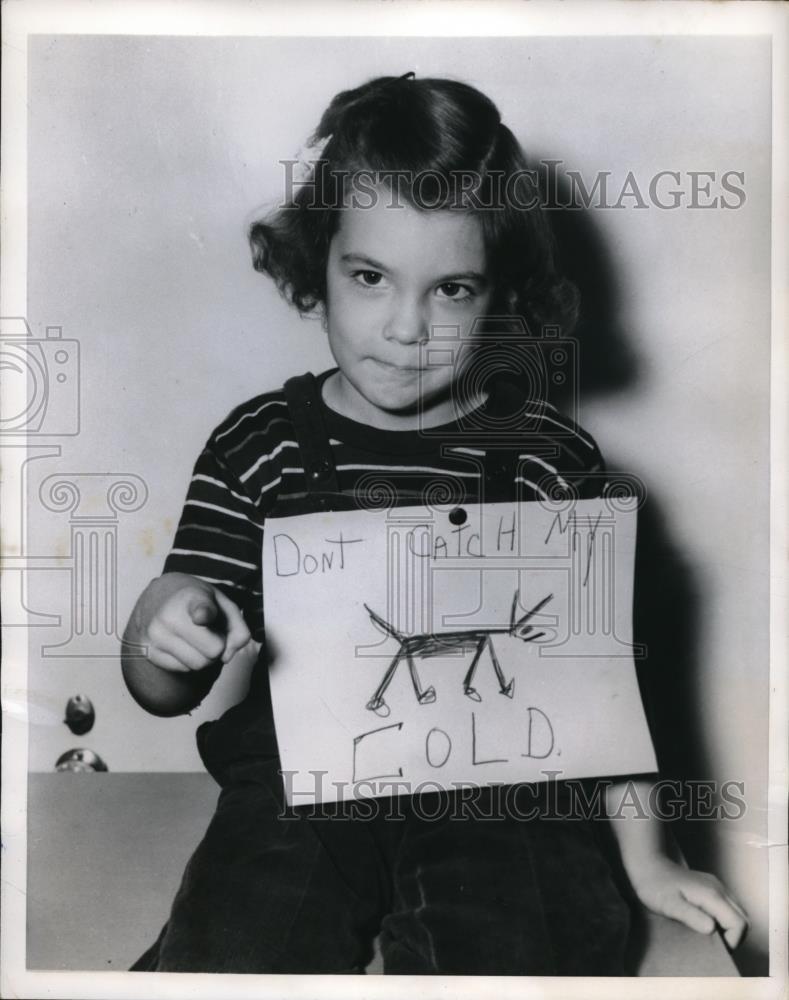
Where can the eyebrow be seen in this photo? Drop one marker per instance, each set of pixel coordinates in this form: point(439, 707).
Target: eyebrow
point(375, 265)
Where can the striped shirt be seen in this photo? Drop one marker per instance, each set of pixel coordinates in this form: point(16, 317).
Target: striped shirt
point(252, 462)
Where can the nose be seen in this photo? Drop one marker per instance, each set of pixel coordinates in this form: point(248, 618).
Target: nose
point(407, 322)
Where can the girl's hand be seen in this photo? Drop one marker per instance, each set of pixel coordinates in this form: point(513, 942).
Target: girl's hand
point(695, 898)
point(187, 624)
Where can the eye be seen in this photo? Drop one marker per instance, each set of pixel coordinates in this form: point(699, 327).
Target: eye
point(454, 290)
point(370, 279)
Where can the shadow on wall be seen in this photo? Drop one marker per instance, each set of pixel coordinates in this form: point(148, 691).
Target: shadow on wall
point(607, 361)
point(668, 604)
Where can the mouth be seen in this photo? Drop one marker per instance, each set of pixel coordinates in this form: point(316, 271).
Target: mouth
point(401, 369)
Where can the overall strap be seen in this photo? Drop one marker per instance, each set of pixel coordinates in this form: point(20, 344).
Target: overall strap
point(500, 468)
point(501, 456)
point(301, 394)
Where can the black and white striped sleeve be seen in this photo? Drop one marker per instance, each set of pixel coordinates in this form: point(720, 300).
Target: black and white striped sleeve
point(220, 536)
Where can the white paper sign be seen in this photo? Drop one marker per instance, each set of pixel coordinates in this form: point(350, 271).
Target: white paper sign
point(416, 649)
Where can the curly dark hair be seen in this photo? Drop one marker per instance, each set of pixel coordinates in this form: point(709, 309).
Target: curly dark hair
point(442, 144)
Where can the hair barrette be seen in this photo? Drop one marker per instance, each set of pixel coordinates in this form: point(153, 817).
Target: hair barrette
point(306, 158)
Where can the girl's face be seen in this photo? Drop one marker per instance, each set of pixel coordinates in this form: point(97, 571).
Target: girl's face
point(397, 279)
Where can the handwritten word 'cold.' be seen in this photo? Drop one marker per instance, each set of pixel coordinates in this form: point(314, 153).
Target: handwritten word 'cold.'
point(536, 741)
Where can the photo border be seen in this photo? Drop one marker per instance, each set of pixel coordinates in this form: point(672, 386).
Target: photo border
point(22, 18)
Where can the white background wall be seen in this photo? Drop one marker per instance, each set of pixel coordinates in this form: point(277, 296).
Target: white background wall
point(148, 157)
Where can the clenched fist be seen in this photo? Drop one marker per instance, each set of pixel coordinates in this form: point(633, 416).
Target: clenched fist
point(188, 624)
point(180, 627)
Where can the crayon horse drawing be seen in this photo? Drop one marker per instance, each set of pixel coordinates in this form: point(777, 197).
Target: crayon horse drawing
point(425, 645)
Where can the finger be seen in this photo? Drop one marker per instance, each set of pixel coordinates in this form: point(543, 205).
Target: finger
point(729, 918)
point(200, 638)
point(183, 652)
point(734, 935)
point(202, 610)
point(167, 662)
point(738, 907)
point(238, 635)
point(680, 909)
point(203, 638)
point(712, 899)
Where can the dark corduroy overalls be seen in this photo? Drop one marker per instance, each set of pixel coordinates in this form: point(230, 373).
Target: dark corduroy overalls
point(450, 887)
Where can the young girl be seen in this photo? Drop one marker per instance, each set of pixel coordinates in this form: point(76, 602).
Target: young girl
point(417, 214)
